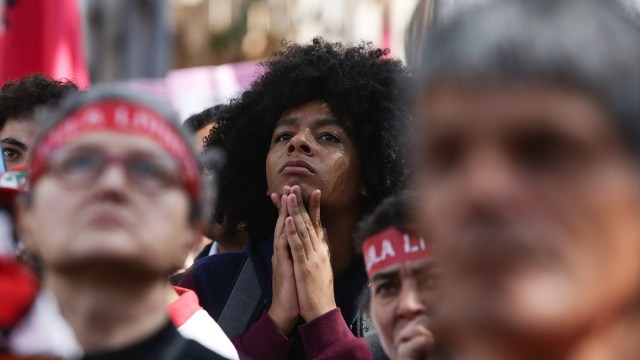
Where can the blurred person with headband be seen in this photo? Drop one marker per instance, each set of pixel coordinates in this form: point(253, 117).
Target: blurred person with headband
point(115, 205)
point(528, 170)
point(403, 275)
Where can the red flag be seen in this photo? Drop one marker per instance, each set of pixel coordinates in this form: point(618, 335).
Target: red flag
point(43, 36)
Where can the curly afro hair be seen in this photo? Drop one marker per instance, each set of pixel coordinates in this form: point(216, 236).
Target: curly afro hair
point(207, 116)
point(362, 89)
point(19, 98)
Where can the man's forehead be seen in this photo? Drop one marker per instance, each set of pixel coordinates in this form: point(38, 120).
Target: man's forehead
point(525, 105)
point(21, 123)
point(115, 143)
point(316, 121)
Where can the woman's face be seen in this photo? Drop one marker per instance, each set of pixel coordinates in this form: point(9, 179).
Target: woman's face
point(402, 299)
point(311, 149)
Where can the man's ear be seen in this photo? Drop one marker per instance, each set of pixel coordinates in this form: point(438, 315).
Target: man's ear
point(24, 223)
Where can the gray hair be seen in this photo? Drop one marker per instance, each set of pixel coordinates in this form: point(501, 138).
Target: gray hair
point(590, 45)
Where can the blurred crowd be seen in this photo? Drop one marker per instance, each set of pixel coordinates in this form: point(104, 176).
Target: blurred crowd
point(480, 202)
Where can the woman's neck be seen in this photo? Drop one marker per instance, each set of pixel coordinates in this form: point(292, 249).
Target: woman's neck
point(110, 315)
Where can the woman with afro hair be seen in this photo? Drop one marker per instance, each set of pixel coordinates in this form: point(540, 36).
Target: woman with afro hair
point(311, 147)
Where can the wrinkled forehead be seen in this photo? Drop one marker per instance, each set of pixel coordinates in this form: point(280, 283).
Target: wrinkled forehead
point(513, 107)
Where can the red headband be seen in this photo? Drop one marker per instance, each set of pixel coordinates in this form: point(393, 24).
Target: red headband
point(124, 117)
point(393, 246)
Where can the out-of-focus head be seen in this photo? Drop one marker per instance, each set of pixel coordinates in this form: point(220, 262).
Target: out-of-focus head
point(200, 125)
point(402, 273)
point(346, 89)
point(426, 15)
point(18, 101)
point(114, 182)
point(528, 117)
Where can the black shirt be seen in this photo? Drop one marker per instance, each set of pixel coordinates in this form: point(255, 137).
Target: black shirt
point(166, 344)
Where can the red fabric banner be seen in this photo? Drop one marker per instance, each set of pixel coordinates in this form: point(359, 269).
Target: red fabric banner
point(43, 36)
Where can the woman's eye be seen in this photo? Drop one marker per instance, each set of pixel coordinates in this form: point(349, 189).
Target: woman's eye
point(11, 154)
point(328, 137)
point(385, 289)
point(283, 137)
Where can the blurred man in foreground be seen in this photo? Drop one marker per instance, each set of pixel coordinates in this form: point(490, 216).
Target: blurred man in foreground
point(529, 174)
point(114, 208)
point(402, 279)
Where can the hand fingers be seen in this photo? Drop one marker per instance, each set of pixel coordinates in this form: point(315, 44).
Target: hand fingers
point(303, 211)
point(314, 230)
point(275, 197)
point(294, 241)
point(314, 211)
point(279, 236)
point(275, 200)
point(301, 226)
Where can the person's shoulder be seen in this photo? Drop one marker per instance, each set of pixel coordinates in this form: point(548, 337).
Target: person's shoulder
point(212, 265)
point(195, 351)
point(212, 278)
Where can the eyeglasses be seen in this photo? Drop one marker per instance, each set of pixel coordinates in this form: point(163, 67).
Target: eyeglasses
point(147, 173)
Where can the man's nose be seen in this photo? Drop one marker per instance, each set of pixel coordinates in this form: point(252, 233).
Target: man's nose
point(490, 178)
point(300, 142)
point(113, 175)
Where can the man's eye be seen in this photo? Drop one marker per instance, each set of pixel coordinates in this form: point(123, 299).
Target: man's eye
point(444, 154)
point(149, 170)
point(283, 137)
point(146, 169)
point(328, 137)
point(547, 150)
point(11, 154)
point(80, 163)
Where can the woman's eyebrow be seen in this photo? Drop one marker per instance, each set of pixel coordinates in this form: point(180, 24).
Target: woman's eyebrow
point(15, 142)
point(384, 275)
